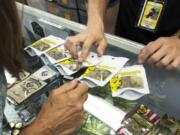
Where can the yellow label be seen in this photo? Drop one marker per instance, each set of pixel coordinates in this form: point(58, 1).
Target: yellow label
point(68, 61)
point(142, 109)
point(88, 70)
point(115, 83)
point(130, 73)
point(36, 43)
point(105, 67)
point(49, 41)
point(150, 17)
point(92, 68)
point(52, 51)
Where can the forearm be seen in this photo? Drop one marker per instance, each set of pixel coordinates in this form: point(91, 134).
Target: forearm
point(96, 12)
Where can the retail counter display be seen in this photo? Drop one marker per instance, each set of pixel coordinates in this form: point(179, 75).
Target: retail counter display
point(145, 91)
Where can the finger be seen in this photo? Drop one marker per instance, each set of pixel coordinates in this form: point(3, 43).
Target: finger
point(67, 87)
point(73, 50)
point(74, 40)
point(85, 50)
point(157, 56)
point(84, 98)
point(80, 90)
point(165, 61)
point(148, 50)
point(175, 65)
point(101, 47)
point(67, 43)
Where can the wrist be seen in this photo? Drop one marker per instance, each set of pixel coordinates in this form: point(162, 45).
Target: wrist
point(96, 13)
point(95, 24)
point(37, 128)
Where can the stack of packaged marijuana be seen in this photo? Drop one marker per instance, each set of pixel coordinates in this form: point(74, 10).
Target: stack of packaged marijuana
point(142, 121)
point(99, 71)
point(26, 95)
point(105, 75)
point(125, 88)
point(30, 84)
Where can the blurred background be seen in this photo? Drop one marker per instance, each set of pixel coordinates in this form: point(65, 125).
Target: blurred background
point(75, 10)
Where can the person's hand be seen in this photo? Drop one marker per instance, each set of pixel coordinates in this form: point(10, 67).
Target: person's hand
point(63, 111)
point(94, 35)
point(163, 52)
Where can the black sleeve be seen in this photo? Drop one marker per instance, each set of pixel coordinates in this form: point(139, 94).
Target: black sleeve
point(112, 1)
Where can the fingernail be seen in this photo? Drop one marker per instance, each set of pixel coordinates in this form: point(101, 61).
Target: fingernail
point(140, 61)
point(100, 54)
point(80, 59)
point(74, 81)
point(75, 56)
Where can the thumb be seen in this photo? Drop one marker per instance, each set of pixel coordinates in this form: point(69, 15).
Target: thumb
point(68, 87)
point(101, 47)
point(85, 49)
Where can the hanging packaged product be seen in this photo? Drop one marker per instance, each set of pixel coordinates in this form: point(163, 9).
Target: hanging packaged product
point(45, 73)
point(71, 65)
point(138, 122)
point(23, 90)
point(130, 83)
point(166, 126)
point(44, 45)
point(103, 72)
point(55, 55)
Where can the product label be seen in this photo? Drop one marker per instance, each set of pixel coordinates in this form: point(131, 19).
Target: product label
point(150, 15)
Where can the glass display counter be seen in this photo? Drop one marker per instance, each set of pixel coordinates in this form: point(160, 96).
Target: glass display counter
point(164, 85)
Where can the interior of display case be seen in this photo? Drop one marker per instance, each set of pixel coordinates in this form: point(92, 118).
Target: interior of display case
point(163, 85)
